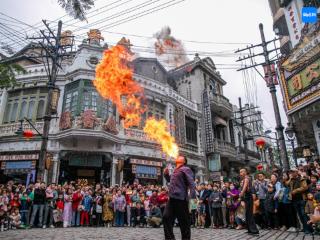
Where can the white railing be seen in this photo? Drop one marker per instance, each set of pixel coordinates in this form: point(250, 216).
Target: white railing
point(11, 128)
point(136, 134)
point(224, 147)
point(221, 101)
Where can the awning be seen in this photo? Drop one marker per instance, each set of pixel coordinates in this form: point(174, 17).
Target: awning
point(220, 121)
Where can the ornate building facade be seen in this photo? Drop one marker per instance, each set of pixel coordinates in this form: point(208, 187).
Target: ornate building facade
point(87, 140)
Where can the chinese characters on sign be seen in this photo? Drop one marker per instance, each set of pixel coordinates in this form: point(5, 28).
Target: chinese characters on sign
point(273, 79)
point(304, 83)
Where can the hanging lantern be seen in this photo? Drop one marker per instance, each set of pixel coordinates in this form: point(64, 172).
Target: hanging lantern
point(259, 167)
point(28, 134)
point(260, 142)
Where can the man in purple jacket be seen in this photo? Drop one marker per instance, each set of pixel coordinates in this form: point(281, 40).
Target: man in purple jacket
point(177, 207)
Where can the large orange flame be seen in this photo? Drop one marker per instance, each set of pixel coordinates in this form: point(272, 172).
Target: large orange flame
point(157, 130)
point(114, 81)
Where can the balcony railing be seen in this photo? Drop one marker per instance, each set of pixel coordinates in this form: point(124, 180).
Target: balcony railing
point(221, 101)
point(11, 128)
point(136, 134)
point(225, 148)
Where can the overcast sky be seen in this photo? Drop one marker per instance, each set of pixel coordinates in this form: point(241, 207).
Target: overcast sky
point(215, 21)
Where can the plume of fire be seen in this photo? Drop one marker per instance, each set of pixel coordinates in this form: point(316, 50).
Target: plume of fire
point(169, 49)
point(158, 130)
point(114, 81)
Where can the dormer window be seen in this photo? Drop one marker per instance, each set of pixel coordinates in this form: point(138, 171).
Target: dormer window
point(154, 69)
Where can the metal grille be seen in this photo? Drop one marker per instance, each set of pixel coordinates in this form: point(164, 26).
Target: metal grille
point(208, 131)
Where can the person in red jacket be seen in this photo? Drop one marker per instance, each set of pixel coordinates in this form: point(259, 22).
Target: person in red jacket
point(162, 199)
point(76, 200)
point(154, 197)
point(15, 202)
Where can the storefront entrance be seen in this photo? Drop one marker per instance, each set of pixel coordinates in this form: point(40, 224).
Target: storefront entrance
point(19, 167)
point(145, 171)
point(87, 168)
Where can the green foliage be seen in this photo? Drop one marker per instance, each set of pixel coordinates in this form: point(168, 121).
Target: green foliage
point(76, 8)
point(8, 72)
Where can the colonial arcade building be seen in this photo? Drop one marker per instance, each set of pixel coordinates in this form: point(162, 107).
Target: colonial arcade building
point(87, 141)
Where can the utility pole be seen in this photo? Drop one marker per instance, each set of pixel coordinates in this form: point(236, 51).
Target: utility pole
point(269, 77)
point(54, 46)
point(244, 137)
point(243, 124)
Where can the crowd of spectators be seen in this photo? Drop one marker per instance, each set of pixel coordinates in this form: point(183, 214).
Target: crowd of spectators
point(281, 200)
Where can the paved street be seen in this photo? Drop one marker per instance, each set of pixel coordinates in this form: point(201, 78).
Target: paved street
point(142, 234)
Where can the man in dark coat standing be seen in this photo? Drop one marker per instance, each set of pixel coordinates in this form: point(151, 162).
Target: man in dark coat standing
point(178, 207)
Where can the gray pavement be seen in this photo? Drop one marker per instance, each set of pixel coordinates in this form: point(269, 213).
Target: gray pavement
point(126, 233)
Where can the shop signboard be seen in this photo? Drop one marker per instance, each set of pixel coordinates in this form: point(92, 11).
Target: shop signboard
point(19, 157)
point(300, 73)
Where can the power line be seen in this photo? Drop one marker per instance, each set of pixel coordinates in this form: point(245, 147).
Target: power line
point(127, 11)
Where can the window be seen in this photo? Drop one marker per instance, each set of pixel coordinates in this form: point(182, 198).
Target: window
point(14, 112)
point(30, 109)
point(74, 102)
point(40, 110)
point(23, 110)
point(191, 130)
point(81, 96)
point(86, 100)
point(67, 106)
point(155, 109)
point(94, 101)
point(7, 112)
point(25, 103)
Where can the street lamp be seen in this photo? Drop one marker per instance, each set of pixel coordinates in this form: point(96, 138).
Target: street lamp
point(291, 136)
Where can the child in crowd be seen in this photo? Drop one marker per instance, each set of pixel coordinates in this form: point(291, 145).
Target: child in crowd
point(15, 218)
point(4, 220)
point(310, 204)
point(25, 203)
point(146, 204)
point(58, 212)
point(201, 210)
point(193, 211)
point(241, 216)
point(271, 207)
point(87, 204)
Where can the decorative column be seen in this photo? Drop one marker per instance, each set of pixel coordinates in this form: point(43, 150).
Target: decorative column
point(55, 168)
point(114, 170)
point(170, 117)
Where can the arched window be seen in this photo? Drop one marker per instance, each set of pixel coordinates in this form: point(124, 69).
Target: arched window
point(6, 113)
point(14, 112)
point(30, 109)
point(23, 110)
point(40, 109)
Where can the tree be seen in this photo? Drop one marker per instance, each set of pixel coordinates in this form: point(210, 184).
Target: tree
point(8, 73)
point(76, 8)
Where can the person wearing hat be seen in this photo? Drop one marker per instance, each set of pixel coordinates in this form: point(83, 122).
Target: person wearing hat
point(181, 180)
point(298, 189)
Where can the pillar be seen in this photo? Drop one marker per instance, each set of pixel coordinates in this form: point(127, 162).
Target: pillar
point(114, 170)
point(55, 168)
